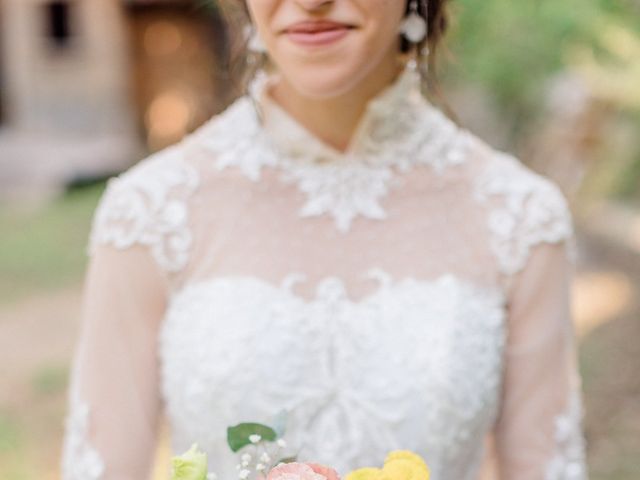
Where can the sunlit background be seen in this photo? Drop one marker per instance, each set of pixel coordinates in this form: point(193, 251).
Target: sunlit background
point(88, 87)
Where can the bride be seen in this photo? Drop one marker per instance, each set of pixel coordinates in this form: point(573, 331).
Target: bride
point(333, 247)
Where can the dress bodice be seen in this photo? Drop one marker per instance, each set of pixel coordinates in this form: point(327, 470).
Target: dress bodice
point(356, 378)
point(396, 295)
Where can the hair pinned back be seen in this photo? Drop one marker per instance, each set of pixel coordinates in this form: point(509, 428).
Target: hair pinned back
point(243, 63)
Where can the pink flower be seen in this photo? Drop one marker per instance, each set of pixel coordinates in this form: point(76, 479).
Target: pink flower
point(327, 472)
point(302, 471)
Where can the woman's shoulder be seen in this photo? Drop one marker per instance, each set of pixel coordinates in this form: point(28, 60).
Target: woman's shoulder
point(500, 172)
point(233, 138)
point(524, 208)
point(154, 202)
point(158, 171)
point(233, 124)
point(148, 205)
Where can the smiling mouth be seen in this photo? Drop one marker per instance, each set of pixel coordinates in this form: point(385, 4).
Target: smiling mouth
point(315, 33)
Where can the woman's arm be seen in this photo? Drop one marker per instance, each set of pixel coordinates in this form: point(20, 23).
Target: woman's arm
point(539, 430)
point(139, 237)
point(113, 398)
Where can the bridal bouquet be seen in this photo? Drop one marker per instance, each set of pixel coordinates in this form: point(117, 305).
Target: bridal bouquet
point(260, 446)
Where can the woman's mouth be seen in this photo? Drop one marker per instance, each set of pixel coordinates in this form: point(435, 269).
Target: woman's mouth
point(317, 33)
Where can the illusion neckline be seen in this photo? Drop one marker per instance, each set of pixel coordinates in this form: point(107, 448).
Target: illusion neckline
point(400, 130)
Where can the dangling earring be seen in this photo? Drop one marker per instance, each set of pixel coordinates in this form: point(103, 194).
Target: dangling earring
point(414, 26)
point(254, 42)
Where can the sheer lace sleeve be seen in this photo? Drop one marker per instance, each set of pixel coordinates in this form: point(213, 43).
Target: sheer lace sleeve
point(110, 430)
point(538, 432)
point(147, 206)
point(138, 236)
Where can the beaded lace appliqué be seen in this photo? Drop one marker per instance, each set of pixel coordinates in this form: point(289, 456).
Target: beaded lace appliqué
point(532, 210)
point(80, 460)
point(146, 205)
point(569, 460)
point(342, 192)
point(342, 185)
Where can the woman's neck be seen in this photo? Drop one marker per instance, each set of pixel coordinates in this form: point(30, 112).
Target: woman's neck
point(334, 120)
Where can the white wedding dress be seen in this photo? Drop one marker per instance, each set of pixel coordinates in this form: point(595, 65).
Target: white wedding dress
point(412, 293)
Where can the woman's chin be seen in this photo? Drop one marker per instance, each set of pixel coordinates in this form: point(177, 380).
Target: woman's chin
point(322, 82)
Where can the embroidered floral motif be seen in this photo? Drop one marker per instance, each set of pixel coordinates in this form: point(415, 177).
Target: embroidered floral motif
point(404, 130)
point(416, 339)
point(344, 185)
point(146, 205)
point(569, 460)
point(80, 460)
point(343, 191)
point(237, 139)
point(532, 210)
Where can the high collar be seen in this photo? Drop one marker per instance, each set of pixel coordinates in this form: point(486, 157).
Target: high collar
point(398, 131)
point(380, 124)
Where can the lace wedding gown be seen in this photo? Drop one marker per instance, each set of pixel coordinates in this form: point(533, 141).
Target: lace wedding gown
point(411, 293)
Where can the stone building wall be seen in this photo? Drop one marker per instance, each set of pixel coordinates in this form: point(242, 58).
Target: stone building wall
point(83, 95)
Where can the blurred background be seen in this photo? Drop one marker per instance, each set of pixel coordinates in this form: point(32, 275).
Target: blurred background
point(89, 87)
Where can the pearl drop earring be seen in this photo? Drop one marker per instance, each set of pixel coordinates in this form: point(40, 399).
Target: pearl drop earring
point(255, 43)
point(414, 26)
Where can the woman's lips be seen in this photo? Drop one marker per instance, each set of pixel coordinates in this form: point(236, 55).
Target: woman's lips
point(317, 33)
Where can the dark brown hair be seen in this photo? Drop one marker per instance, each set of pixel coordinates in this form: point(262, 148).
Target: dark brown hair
point(243, 65)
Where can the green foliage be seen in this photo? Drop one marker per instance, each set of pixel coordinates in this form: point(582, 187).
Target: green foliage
point(50, 379)
point(238, 435)
point(10, 438)
point(628, 187)
point(512, 48)
point(46, 248)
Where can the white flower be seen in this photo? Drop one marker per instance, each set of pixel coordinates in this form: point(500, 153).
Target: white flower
point(255, 438)
point(246, 457)
point(212, 476)
point(281, 443)
point(244, 474)
point(265, 457)
point(245, 464)
point(260, 467)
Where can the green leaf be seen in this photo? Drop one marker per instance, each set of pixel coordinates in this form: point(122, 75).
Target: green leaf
point(238, 435)
point(287, 460)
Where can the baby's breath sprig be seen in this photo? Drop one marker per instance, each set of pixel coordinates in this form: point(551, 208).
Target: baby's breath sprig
point(260, 448)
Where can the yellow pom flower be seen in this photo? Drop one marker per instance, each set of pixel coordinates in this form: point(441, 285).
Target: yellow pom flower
point(399, 465)
point(405, 455)
point(405, 465)
point(367, 473)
